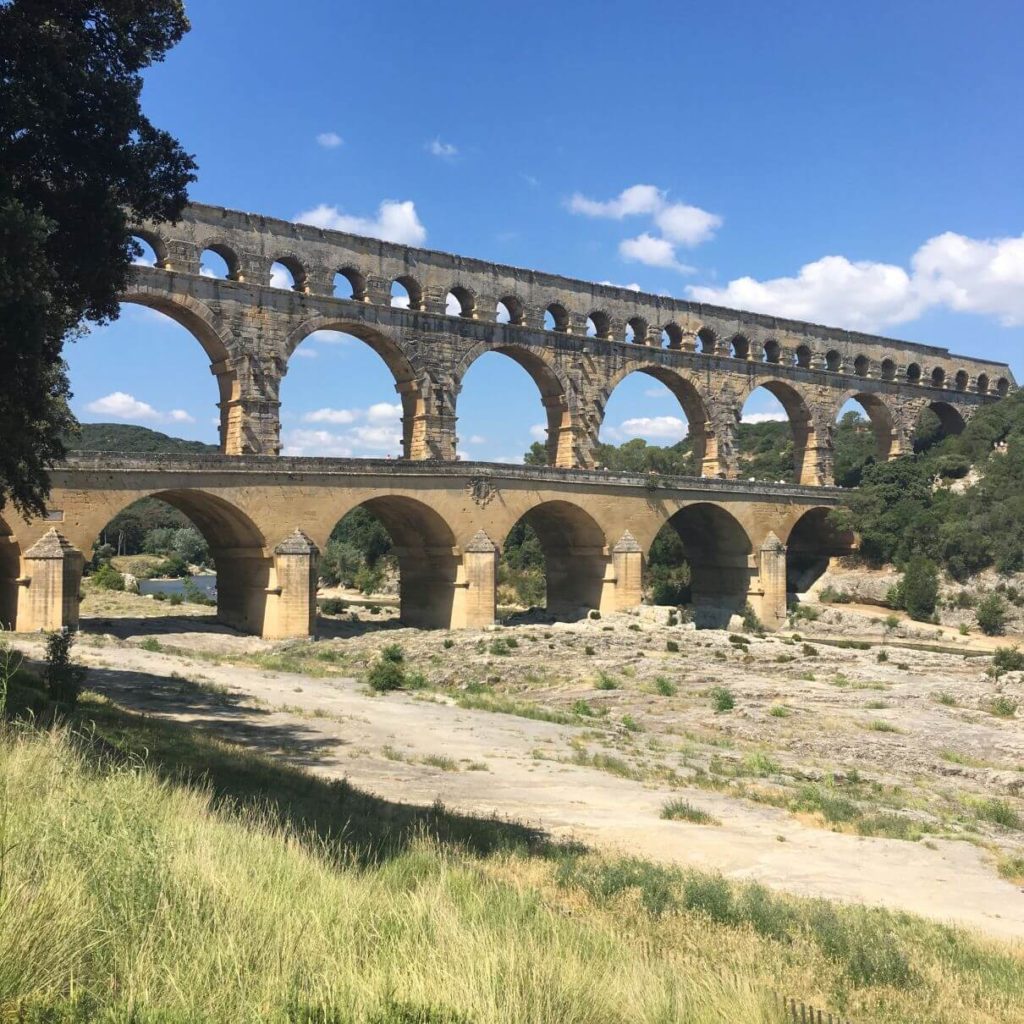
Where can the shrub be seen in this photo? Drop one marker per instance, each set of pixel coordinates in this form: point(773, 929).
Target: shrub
point(665, 687)
point(739, 641)
point(385, 675)
point(332, 605)
point(630, 724)
point(1001, 706)
point(62, 676)
point(594, 614)
point(368, 581)
point(883, 656)
point(999, 812)
point(500, 648)
point(192, 593)
point(392, 653)
point(588, 650)
point(683, 810)
point(944, 697)
point(722, 699)
point(176, 599)
point(108, 578)
point(606, 682)
point(672, 646)
point(991, 615)
point(918, 590)
point(448, 643)
point(751, 622)
point(1007, 659)
point(779, 711)
point(809, 650)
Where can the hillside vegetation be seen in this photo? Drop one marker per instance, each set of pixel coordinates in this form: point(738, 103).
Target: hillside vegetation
point(128, 439)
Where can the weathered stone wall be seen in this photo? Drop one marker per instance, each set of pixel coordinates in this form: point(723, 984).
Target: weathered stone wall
point(711, 358)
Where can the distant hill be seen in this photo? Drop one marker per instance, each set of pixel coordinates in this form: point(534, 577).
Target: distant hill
point(132, 440)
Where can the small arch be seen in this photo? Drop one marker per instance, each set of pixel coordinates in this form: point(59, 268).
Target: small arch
point(740, 347)
point(599, 325)
point(406, 293)
point(460, 301)
point(962, 380)
point(812, 542)
point(771, 351)
point(708, 341)
point(938, 377)
point(803, 356)
point(219, 260)
point(861, 365)
point(514, 311)
point(10, 563)
point(148, 249)
point(672, 336)
point(1002, 387)
point(636, 330)
point(350, 283)
point(914, 373)
point(982, 384)
point(556, 318)
point(288, 272)
point(888, 369)
point(573, 545)
point(833, 360)
point(717, 549)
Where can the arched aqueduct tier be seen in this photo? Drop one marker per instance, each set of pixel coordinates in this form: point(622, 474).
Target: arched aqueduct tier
point(266, 519)
point(711, 358)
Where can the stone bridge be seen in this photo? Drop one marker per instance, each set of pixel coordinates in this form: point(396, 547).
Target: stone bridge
point(577, 340)
point(265, 519)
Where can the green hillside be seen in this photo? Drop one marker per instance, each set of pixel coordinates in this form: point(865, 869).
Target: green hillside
point(129, 439)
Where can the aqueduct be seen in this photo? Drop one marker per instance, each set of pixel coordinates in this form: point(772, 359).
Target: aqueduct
point(265, 517)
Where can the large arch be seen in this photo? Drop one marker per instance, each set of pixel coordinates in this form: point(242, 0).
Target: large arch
point(718, 550)
point(702, 437)
point(806, 457)
point(198, 319)
point(10, 565)
point(946, 420)
point(415, 442)
point(574, 555)
point(425, 547)
point(239, 550)
point(881, 418)
point(554, 391)
point(811, 543)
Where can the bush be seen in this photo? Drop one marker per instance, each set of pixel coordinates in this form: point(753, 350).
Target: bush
point(991, 615)
point(175, 567)
point(683, 810)
point(392, 653)
point(176, 599)
point(62, 676)
point(664, 687)
point(672, 646)
point(108, 578)
point(722, 699)
point(385, 675)
point(918, 591)
point(332, 605)
point(1007, 659)
point(368, 581)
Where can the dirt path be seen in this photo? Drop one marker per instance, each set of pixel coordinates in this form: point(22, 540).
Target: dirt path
point(517, 768)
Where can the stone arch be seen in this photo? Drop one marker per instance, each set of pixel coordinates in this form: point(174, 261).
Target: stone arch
point(425, 546)
point(560, 318)
point(803, 356)
point(199, 320)
point(938, 377)
point(951, 420)
point(10, 570)
point(638, 325)
point(811, 542)
point(719, 551)
point(888, 369)
point(811, 465)
point(962, 379)
point(771, 351)
point(882, 419)
point(157, 243)
point(416, 395)
point(914, 373)
point(982, 384)
point(672, 336)
point(555, 394)
point(739, 346)
point(357, 282)
point(862, 365)
point(1002, 387)
point(227, 253)
point(695, 409)
point(708, 341)
point(413, 288)
point(602, 324)
point(516, 309)
point(834, 360)
point(240, 551)
point(575, 556)
point(466, 299)
point(294, 265)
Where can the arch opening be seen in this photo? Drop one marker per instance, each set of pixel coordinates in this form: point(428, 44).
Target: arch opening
point(672, 336)
point(287, 272)
point(510, 310)
point(148, 250)
point(554, 558)
point(219, 261)
point(641, 429)
point(865, 432)
point(391, 552)
point(599, 325)
point(184, 547)
point(350, 283)
point(707, 342)
point(776, 437)
point(983, 384)
point(813, 542)
point(546, 440)
point(712, 560)
point(803, 356)
point(888, 369)
point(914, 373)
point(833, 361)
point(861, 366)
point(938, 377)
point(406, 293)
point(10, 565)
point(962, 380)
point(739, 347)
point(556, 318)
point(938, 420)
point(636, 331)
point(771, 352)
point(338, 398)
point(460, 302)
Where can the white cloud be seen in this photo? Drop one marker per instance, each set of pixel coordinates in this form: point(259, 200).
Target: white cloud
point(983, 276)
point(331, 416)
point(629, 202)
point(329, 338)
point(444, 150)
point(629, 287)
point(765, 417)
point(687, 225)
point(329, 140)
point(400, 301)
point(539, 432)
point(452, 306)
point(655, 252)
point(661, 427)
point(395, 222)
point(662, 392)
point(476, 439)
point(123, 406)
point(280, 277)
point(384, 412)
point(305, 352)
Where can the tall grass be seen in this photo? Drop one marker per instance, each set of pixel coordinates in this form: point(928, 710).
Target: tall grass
point(129, 894)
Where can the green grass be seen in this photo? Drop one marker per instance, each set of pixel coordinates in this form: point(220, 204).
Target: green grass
point(722, 699)
point(486, 700)
point(779, 711)
point(154, 875)
point(879, 725)
point(683, 810)
point(665, 687)
point(606, 682)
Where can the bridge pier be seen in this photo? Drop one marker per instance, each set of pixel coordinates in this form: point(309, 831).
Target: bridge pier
point(53, 577)
point(476, 597)
point(291, 608)
point(767, 594)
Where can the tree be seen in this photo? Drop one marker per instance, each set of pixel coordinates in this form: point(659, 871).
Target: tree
point(991, 614)
point(79, 163)
point(919, 588)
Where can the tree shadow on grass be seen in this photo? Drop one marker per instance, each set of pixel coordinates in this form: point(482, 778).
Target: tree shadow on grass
point(265, 773)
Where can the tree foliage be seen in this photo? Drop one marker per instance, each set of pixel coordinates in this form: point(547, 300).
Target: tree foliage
point(79, 162)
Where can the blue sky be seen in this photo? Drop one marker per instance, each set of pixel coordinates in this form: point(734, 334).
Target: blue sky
point(853, 164)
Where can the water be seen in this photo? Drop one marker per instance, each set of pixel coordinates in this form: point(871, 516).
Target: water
point(206, 583)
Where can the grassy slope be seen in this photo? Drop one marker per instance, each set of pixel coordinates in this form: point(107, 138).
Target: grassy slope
point(153, 874)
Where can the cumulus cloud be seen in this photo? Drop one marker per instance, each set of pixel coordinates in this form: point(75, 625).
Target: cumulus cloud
point(123, 406)
point(372, 432)
point(678, 224)
point(634, 287)
point(539, 432)
point(952, 271)
point(329, 140)
point(305, 352)
point(280, 277)
point(765, 417)
point(331, 416)
point(396, 221)
point(660, 427)
point(443, 150)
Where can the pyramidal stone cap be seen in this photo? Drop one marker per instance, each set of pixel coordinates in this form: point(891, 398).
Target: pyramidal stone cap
point(51, 545)
point(297, 543)
point(481, 544)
